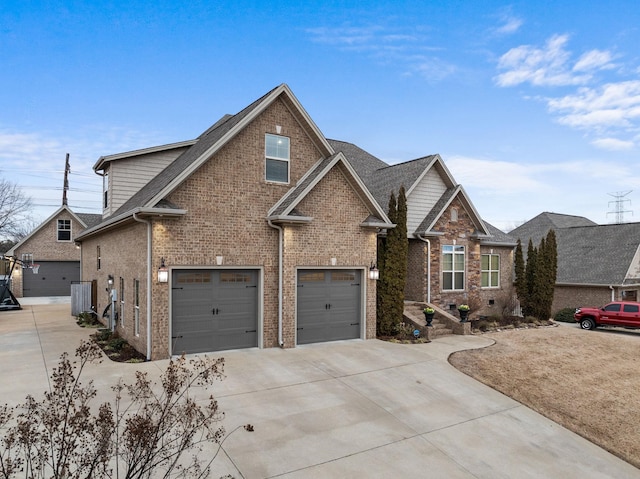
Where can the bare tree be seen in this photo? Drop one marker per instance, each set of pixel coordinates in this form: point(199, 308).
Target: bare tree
point(146, 432)
point(14, 210)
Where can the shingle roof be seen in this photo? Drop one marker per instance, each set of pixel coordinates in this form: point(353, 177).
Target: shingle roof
point(599, 254)
point(538, 227)
point(89, 219)
point(205, 141)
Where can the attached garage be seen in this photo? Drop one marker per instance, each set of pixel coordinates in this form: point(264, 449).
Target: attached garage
point(53, 278)
point(329, 305)
point(214, 310)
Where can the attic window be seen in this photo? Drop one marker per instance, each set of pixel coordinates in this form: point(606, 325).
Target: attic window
point(64, 230)
point(277, 158)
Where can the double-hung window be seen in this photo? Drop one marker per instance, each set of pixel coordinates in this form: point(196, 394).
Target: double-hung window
point(136, 307)
point(277, 158)
point(490, 271)
point(64, 230)
point(453, 267)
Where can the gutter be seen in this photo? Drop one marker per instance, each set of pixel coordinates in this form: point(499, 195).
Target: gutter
point(426, 240)
point(280, 279)
point(148, 223)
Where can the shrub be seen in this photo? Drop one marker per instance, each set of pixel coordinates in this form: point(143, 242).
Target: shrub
point(565, 315)
point(149, 430)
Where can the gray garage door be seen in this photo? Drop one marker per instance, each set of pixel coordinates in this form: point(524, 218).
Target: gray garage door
point(213, 310)
point(54, 278)
point(328, 305)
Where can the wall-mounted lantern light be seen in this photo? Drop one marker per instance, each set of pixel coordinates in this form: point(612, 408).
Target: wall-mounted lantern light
point(373, 272)
point(163, 272)
point(110, 280)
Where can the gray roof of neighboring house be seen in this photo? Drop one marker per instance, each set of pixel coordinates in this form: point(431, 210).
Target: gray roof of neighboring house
point(598, 254)
point(538, 227)
point(90, 219)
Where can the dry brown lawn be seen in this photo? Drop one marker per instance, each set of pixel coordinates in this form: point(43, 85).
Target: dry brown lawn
point(587, 381)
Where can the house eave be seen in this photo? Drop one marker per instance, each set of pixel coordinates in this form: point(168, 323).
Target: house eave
point(129, 216)
point(286, 219)
point(377, 225)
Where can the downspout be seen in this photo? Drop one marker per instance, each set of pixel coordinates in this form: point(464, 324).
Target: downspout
point(613, 292)
point(426, 240)
point(148, 223)
point(280, 275)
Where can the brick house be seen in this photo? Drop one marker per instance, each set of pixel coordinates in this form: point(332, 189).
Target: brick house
point(51, 246)
point(266, 232)
point(596, 263)
point(454, 256)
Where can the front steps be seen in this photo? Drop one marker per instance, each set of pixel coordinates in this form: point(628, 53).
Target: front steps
point(443, 322)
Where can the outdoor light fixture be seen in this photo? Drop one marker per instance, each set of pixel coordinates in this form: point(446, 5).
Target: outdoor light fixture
point(373, 272)
point(110, 280)
point(163, 272)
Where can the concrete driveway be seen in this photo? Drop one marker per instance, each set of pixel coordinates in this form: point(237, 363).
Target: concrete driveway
point(367, 409)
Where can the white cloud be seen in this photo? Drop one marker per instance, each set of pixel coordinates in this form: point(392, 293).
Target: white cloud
point(613, 144)
point(594, 60)
point(550, 65)
point(611, 105)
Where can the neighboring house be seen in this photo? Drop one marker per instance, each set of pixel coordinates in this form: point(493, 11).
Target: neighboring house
point(51, 246)
point(266, 232)
point(596, 263)
point(454, 256)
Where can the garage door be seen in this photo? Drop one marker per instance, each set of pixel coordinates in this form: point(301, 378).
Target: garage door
point(214, 310)
point(54, 278)
point(328, 305)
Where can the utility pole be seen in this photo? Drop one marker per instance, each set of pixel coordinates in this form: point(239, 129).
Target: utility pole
point(65, 188)
point(619, 205)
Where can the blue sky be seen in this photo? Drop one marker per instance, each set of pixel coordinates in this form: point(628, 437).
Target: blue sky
point(534, 106)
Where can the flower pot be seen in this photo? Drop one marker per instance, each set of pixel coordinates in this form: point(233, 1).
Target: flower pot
point(429, 317)
point(464, 314)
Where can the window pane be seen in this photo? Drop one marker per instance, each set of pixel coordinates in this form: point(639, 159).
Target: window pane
point(630, 308)
point(485, 279)
point(278, 171)
point(485, 262)
point(494, 279)
point(277, 147)
point(459, 262)
point(447, 281)
point(612, 307)
point(495, 262)
point(459, 278)
point(447, 262)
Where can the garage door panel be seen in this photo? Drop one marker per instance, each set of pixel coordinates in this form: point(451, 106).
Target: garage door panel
point(328, 305)
point(214, 310)
point(54, 278)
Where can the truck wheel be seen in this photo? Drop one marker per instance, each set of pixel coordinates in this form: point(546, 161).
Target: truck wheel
point(587, 323)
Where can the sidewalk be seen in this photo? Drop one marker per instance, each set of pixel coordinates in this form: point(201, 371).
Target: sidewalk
point(354, 409)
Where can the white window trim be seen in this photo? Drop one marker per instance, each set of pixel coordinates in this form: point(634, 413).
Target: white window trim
point(489, 271)
point(136, 307)
point(275, 158)
point(58, 230)
point(453, 271)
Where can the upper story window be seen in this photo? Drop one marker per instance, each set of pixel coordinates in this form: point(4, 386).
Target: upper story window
point(277, 158)
point(64, 230)
point(490, 271)
point(452, 267)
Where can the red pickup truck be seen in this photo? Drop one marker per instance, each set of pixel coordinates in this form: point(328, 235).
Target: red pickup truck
point(618, 313)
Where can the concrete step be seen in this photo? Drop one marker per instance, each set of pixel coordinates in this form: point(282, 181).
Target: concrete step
point(413, 313)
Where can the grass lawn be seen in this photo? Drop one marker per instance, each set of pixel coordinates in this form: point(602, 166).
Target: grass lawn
point(587, 381)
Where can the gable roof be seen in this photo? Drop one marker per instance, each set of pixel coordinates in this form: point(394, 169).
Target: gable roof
point(284, 210)
point(212, 140)
point(597, 254)
point(538, 227)
point(86, 220)
point(383, 179)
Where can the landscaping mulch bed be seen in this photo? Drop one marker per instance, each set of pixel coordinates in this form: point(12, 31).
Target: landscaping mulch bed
point(115, 347)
